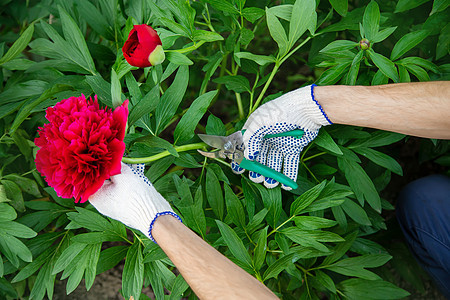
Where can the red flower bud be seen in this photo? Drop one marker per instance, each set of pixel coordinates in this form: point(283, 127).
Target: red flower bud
point(143, 47)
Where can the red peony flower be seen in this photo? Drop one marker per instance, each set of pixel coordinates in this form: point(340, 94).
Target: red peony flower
point(143, 47)
point(81, 147)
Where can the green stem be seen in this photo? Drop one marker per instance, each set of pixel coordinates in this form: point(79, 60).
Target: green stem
point(281, 225)
point(266, 86)
point(314, 156)
point(187, 49)
point(140, 160)
point(240, 106)
point(295, 49)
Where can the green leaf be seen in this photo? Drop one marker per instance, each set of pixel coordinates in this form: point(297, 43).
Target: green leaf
point(339, 45)
point(383, 34)
point(333, 74)
point(101, 88)
point(420, 62)
point(214, 194)
point(14, 248)
point(146, 105)
point(14, 194)
point(116, 89)
point(234, 243)
point(325, 141)
point(252, 13)
point(386, 66)
point(67, 256)
point(356, 289)
point(340, 6)
point(133, 272)
point(110, 257)
point(236, 83)
point(157, 142)
point(234, 207)
point(305, 18)
point(75, 38)
point(19, 45)
point(280, 265)
point(407, 42)
point(17, 230)
point(356, 212)
point(27, 108)
point(260, 249)
point(354, 68)
point(259, 59)
point(360, 183)
point(403, 73)
point(419, 72)
point(371, 20)
point(91, 266)
point(355, 266)
point(95, 19)
point(325, 281)
point(404, 5)
point(439, 5)
point(207, 36)
point(178, 58)
point(223, 5)
point(185, 128)
point(277, 32)
point(310, 223)
point(90, 220)
point(306, 198)
point(381, 159)
point(27, 185)
point(214, 126)
point(311, 238)
point(171, 99)
point(340, 249)
point(378, 139)
point(7, 213)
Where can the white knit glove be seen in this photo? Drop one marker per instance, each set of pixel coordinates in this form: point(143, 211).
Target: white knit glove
point(295, 110)
point(130, 198)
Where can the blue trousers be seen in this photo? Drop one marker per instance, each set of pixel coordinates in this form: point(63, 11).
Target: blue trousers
point(423, 211)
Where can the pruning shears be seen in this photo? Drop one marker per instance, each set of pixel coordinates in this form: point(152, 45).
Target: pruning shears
point(232, 147)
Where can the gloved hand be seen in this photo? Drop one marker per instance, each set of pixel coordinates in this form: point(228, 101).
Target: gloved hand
point(130, 198)
point(295, 110)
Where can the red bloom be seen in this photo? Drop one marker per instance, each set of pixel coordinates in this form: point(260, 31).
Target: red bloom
point(143, 47)
point(81, 147)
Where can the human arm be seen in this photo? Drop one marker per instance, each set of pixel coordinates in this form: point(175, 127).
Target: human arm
point(419, 108)
point(131, 199)
point(210, 274)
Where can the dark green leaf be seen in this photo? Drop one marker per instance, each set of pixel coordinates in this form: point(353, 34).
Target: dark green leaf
point(236, 83)
point(383, 34)
point(371, 20)
point(145, 106)
point(439, 5)
point(404, 5)
point(234, 243)
point(356, 212)
point(171, 99)
point(356, 289)
point(326, 281)
point(339, 45)
point(419, 72)
point(223, 5)
point(19, 45)
point(306, 198)
point(133, 272)
point(407, 42)
point(214, 194)
point(310, 222)
point(260, 249)
point(7, 213)
point(281, 264)
point(355, 266)
point(185, 128)
point(259, 59)
point(157, 142)
point(14, 194)
point(214, 126)
point(207, 36)
point(381, 159)
point(324, 140)
point(234, 207)
point(110, 257)
point(340, 249)
point(386, 66)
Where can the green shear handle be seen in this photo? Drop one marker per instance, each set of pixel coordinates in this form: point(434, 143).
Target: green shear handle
point(264, 170)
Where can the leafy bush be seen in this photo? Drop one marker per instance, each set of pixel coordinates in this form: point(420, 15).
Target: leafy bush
point(223, 59)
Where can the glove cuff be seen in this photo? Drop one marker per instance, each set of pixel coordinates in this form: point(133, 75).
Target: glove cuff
point(311, 114)
point(154, 220)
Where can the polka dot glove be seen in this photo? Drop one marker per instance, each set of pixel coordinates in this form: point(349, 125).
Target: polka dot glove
point(295, 110)
point(130, 198)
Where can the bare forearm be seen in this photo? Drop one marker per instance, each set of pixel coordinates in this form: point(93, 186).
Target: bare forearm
point(210, 274)
point(420, 109)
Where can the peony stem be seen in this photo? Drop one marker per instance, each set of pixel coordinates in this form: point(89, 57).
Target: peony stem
point(140, 160)
point(187, 49)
